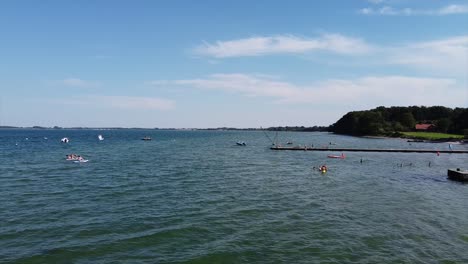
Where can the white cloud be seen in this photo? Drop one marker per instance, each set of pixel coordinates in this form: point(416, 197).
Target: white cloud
point(446, 56)
point(366, 92)
point(376, 1)
point(443, 56)
point(248, 85)
point(453, 9)
point(256, 46)
point(79, 83)
point(388, 10)
point(366, 11)
point(122, 102)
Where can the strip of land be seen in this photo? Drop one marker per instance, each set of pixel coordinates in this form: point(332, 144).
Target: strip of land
point(371, 150)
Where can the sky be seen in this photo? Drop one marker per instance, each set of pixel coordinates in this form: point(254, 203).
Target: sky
point(243, 63)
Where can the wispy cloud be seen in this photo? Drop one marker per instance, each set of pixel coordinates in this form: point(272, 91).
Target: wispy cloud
point(391, 11)
point(376, 1)
point(283, 44)
point(77, 82)
point(453, 9)
point(366, 92)
point(122, 102)
point(443, 56)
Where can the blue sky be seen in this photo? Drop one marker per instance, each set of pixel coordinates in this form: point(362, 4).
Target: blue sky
point(189, 64)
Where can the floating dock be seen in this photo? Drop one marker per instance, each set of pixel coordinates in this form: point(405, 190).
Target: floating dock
point(371, 150)
point(458, 175)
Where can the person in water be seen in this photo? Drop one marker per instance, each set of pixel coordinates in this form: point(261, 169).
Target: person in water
point(74, 157)
point(321, 168)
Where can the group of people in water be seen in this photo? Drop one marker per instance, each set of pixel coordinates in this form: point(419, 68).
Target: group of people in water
point(322, 168)
point(74, 157)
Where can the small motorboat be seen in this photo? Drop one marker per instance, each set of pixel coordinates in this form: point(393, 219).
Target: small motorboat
point(289, 143)
point(80, 161)
point(458, 175)
point(415, 140)
point(146, 138)
point(241, 143)
point(75, 158)
point(342, 156)
point(65, 140)
point(100, 137)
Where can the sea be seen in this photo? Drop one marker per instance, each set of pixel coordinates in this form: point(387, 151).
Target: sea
point(197, 197)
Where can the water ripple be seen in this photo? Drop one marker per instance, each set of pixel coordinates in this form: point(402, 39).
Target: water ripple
point(195, 197)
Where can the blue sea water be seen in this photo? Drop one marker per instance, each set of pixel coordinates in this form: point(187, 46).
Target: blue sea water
point(196, 197)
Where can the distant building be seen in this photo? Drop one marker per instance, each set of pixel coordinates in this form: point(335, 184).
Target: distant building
point(425, 127)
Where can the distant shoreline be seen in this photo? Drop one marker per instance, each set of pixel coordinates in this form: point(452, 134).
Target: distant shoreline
point(416, 140)
point(270, 129)
point(279, 129)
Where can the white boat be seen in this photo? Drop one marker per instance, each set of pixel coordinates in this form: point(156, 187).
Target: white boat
point(100, 137)
point(76, 158)
point(65, 140)
point(81, 161)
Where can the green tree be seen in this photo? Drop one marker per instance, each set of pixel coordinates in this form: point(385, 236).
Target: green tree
point(407, 120)
point(398, 127)
point(387, 120)
point(347, 124)
point(459, 120)
point(443, 125)
point(370, 123)
point(438, 112)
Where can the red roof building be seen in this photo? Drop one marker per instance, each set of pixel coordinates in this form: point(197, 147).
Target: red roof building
point(425, 127)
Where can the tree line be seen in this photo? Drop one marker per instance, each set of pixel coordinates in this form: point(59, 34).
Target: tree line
point(389, 121)
point(300, 128)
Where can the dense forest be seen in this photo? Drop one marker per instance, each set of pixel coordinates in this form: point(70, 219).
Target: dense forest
point(300, 128)
point(390, 121)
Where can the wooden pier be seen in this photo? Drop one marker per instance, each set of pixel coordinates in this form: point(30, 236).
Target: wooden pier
point(371, 150)
point(458, 175)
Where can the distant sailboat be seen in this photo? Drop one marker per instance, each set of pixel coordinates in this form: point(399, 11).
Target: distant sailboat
point(100, 137)
point(273, 141)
